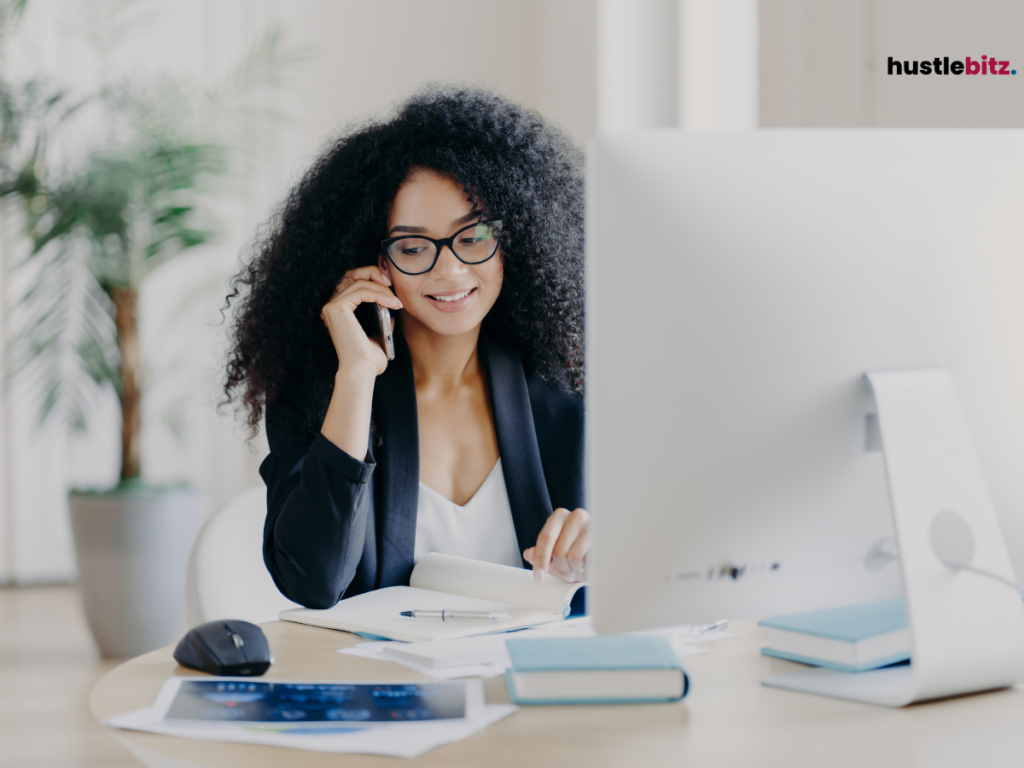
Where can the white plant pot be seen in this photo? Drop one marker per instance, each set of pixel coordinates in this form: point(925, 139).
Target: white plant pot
point(133, 547)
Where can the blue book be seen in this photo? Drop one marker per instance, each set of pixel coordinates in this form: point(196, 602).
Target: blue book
point(854, 638)
point(594, 670)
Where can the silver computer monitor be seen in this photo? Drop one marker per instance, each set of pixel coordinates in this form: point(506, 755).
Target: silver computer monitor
point(739, 287)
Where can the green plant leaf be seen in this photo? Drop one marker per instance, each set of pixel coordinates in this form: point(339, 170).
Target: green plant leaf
point(102, 208)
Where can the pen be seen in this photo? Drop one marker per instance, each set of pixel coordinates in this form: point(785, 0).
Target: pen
point(460, 615)
point(704, 629)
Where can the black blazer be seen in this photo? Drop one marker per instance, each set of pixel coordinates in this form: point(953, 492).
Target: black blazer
point(337, 526)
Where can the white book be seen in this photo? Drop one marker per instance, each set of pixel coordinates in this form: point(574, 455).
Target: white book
point(446, 582)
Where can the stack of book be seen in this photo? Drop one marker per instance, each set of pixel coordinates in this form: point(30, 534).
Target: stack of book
point(854, 638)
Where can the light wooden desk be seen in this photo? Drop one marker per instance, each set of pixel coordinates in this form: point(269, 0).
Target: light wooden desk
point(728, 719)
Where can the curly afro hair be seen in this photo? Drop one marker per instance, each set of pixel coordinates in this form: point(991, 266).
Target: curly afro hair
point(518, 167)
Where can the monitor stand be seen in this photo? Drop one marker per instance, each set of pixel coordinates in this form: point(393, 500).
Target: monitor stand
point(967, 630)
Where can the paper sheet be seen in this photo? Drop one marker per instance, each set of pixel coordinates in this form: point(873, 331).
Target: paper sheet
point(491, 657)
point(685, 633)
point(375, 650)
point(409, 739)
point(705, 637)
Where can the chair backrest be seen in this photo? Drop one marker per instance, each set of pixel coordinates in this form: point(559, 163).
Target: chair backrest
point(226, 577)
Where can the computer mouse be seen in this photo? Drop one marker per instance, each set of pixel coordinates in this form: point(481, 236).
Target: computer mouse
point(228, 647)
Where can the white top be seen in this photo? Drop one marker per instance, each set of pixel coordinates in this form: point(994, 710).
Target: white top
point(481, 530)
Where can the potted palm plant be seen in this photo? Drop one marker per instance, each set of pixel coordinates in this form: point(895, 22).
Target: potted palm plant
point(98, 216)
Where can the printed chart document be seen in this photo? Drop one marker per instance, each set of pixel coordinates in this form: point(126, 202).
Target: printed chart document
point(401, 719)
point(441, 582)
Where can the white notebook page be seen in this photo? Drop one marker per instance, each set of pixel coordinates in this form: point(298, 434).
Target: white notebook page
point(446, 582)
point(490, 581)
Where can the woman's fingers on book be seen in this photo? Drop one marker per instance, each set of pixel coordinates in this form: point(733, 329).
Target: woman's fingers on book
point(562, 545)
point(529, 556)
point(572, 545)
point(562, 568)
point(577, 554)
point(546, 541)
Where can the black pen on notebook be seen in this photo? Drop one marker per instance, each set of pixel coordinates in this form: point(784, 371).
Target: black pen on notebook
point(460, 615)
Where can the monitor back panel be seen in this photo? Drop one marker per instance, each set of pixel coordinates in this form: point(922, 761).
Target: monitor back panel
point(738, 287)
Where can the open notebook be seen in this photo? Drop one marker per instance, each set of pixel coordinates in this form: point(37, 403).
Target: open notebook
point(441, 582)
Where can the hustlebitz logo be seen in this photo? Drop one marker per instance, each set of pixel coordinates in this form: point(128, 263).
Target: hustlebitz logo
point(988, 65)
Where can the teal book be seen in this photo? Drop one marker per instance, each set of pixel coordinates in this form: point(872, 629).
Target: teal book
point(607, 669)
point(853, 638)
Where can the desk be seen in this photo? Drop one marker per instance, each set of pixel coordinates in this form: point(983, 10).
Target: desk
point(728, 719)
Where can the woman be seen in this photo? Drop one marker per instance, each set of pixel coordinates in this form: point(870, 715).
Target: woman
point(462, 215)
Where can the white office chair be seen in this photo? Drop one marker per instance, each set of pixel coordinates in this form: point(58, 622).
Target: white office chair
point(226, 577)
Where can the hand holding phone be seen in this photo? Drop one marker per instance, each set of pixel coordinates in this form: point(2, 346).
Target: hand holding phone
point(376, 322)
point(359, 334)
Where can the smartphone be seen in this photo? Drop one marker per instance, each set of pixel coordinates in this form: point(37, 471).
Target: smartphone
point(376, 321)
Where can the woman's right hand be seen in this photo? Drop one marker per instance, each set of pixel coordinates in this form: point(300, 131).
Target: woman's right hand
point(355, 349)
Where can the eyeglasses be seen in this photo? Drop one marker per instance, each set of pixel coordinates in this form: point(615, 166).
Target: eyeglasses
point(417, 255)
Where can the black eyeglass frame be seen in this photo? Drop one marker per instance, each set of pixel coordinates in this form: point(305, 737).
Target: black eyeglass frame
point(438, 244)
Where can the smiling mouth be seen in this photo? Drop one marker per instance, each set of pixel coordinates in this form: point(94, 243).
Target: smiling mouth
point(453, 297)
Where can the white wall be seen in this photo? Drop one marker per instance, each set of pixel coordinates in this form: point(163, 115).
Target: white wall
point(541, 53)
point(638, 66)
point(824, 64)
point(677, 63)
point(718, 66)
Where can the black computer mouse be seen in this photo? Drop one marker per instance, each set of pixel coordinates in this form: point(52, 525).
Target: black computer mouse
point(228, 647)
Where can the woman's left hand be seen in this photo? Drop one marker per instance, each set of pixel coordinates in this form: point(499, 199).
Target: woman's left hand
point(562, 546)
